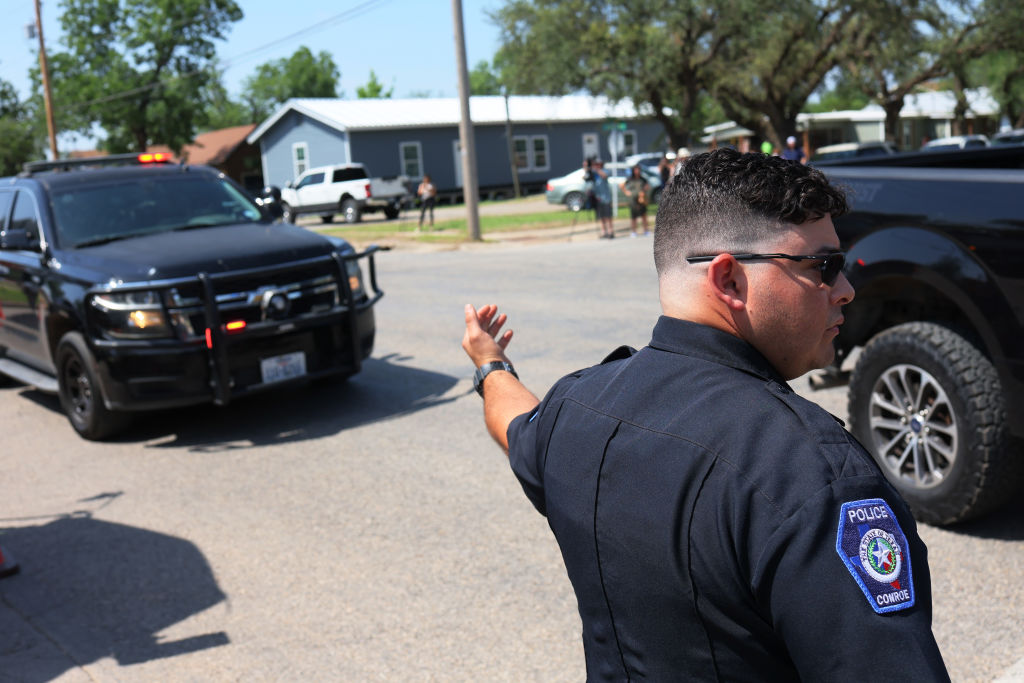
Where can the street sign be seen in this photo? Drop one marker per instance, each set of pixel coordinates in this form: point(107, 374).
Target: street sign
point(614, 125)
point(616, 141)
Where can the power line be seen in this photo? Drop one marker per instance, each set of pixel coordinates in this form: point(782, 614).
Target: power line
point(347, 15)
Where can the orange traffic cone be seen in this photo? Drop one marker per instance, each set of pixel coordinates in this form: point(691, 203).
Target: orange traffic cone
point(7, 565)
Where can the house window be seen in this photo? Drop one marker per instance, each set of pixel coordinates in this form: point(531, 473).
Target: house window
point(628, 142)
point(300, 158)
point(411, 154)
point(522, 149)
point(539, 148)
point(531, 152)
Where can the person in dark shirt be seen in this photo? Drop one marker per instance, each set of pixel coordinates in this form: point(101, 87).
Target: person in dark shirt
point(715, 525)
point(793, 152)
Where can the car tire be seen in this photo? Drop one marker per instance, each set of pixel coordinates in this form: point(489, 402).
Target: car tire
point(287, 215)
point(929, 407)
point(350, 210)
point(575, 201)
point(391, 212)
point(327, 217)
point(80, 393)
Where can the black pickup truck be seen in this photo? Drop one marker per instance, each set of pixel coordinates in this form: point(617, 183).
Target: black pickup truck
point(127, 284)
point(937, 391)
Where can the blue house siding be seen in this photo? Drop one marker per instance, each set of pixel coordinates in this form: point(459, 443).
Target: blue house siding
point(380, 150)
point(326, 146)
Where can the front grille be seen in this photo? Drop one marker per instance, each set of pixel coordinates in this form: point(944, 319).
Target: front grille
point(309, 289)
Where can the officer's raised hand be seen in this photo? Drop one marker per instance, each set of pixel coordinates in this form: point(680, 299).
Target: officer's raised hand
point(495, 379)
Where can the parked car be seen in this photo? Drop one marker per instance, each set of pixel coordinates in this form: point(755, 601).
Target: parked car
point(936, 256)
point(852, 150)
point(955, 142)
point(147, 286)
point(650, 160)
point(570, 189)
point(347, 189)
point(1009, 137)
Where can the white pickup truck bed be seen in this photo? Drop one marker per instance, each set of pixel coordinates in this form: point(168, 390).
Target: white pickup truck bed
point(346, 189)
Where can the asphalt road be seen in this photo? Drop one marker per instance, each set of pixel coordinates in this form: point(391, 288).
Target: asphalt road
point(370, 530)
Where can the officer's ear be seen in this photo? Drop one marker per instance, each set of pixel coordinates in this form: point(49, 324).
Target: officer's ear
point(728, 282)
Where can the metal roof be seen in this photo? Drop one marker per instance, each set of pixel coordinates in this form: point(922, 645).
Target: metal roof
point(934, 105)
point(384, 114)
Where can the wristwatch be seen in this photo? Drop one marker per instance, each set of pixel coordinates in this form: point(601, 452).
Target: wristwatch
point(488, 368)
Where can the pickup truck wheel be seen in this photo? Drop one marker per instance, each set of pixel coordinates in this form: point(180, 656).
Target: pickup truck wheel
point(391, 212)
point(575, 201)
point(928, 405)
point(79, 389)
point(287, 215)
point(350, 210)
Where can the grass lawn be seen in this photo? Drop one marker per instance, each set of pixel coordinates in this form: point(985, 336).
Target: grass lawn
point(455, 230)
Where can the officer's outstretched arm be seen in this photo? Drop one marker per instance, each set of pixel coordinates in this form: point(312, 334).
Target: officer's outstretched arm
point(505, 397)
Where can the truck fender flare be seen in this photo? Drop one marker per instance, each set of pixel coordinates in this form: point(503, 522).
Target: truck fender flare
point(886, 257)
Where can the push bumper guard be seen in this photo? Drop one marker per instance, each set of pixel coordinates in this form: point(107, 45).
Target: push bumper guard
point(218, 342)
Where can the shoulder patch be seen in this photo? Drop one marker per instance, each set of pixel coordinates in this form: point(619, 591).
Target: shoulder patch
point(875, 550)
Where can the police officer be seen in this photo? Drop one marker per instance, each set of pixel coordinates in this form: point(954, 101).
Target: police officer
point(715, 525)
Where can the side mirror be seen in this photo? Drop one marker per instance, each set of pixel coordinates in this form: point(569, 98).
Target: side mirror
point(17, 240)
point(270, 201)
point(289, 184)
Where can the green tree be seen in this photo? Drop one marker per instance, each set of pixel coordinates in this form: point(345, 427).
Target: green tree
point(220, 110)
point(840, 95)
point(769, 73)
point(1003, 73)
point(301, 75)
point(660, 54)
point(374, 89)
point(136, 68)
point(926, 41)
point(18, 141)
point(483, 80)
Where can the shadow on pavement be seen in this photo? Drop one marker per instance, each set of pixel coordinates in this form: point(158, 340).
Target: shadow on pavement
point(382, 390)
point(1005, 523)
point(90, 589)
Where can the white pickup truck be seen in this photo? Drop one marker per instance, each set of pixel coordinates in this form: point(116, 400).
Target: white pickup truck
point(346, 189)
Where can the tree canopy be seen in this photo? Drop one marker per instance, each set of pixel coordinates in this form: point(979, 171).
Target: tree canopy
point(18, 143)
point(661, 54)
point(760, 62)
point(373, 89)
point(136, 68)
point(483, 80)
point(301, 75)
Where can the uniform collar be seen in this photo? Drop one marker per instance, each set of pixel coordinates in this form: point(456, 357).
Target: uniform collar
point(700, 341)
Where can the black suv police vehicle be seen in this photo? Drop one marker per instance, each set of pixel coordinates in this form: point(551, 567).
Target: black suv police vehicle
point(128, 284)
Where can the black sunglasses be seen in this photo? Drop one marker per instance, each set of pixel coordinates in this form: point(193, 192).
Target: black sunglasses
point(831, 264)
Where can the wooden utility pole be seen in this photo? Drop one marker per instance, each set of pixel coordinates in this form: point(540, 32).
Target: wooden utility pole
point(511, 149)
point(469, 183)
point(44, 71)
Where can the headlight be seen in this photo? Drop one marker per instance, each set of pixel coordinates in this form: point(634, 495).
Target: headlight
point(131, 315)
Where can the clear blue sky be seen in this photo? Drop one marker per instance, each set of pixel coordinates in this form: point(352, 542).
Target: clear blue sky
point(408, 43)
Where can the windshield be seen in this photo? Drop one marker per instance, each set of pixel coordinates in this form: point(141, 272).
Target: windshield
point(144, 205)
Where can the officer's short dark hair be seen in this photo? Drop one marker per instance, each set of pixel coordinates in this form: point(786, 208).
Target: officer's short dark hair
point(727, 201)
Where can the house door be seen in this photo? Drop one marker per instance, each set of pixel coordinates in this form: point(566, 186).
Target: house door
point(590, 146)
point(457, 154)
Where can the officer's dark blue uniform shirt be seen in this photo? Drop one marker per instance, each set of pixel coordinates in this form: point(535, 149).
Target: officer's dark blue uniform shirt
point(718, 527)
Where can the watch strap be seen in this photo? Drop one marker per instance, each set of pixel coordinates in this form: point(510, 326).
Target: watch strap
point(488, 368)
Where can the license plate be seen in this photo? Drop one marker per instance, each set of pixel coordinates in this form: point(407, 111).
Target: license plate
point(280, 368)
